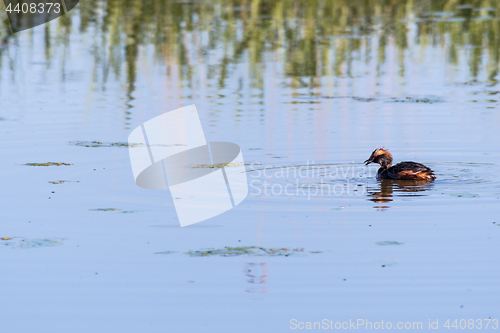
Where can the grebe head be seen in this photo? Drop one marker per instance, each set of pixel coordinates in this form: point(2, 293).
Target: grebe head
point(380, 156)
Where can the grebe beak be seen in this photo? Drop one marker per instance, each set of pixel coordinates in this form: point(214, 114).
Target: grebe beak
point(368, 161)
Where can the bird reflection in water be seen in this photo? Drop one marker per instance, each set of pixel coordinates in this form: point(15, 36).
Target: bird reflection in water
point(257, 277)
point(387, 189)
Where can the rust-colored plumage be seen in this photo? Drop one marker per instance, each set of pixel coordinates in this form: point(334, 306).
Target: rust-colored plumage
point(403, 170)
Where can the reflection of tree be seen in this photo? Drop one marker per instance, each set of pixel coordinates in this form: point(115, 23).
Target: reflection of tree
point(384, 193)
point(308, 38)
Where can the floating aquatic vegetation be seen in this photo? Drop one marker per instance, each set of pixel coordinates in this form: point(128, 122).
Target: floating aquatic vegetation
point(356, 98)
point(303, 102)
point(218, 165)
point(465, 195)
point(165, 252)
point(115, 210)
point(98, 144)
point(428, 100)
point(57, 181)
point(388, 243)
point(363, 99)
point(48, 164)
point(247, 250)
point(23, 243)
point(63, 181)
point(32, 243)
point(315, 96)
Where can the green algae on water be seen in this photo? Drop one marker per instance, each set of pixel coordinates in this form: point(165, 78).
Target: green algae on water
point(24, 243)
point(165, 252)
point(57, 181)
point(100, 144)
point(95, 144)
point(218, 165)
point(384, 243)
point(221, 165)
point(465, 195)
point(63, 181)
point(363, 99)
point(32, 243)
point(246, 250)
point(115, 210)
point(48, 164)
point(427, 100)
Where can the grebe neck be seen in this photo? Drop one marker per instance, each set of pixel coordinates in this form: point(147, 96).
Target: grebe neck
point(383, 167)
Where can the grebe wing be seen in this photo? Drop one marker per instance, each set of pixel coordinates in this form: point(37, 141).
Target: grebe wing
point(411, 170)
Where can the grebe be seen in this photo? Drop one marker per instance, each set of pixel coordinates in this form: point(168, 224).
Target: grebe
point(403, 170)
